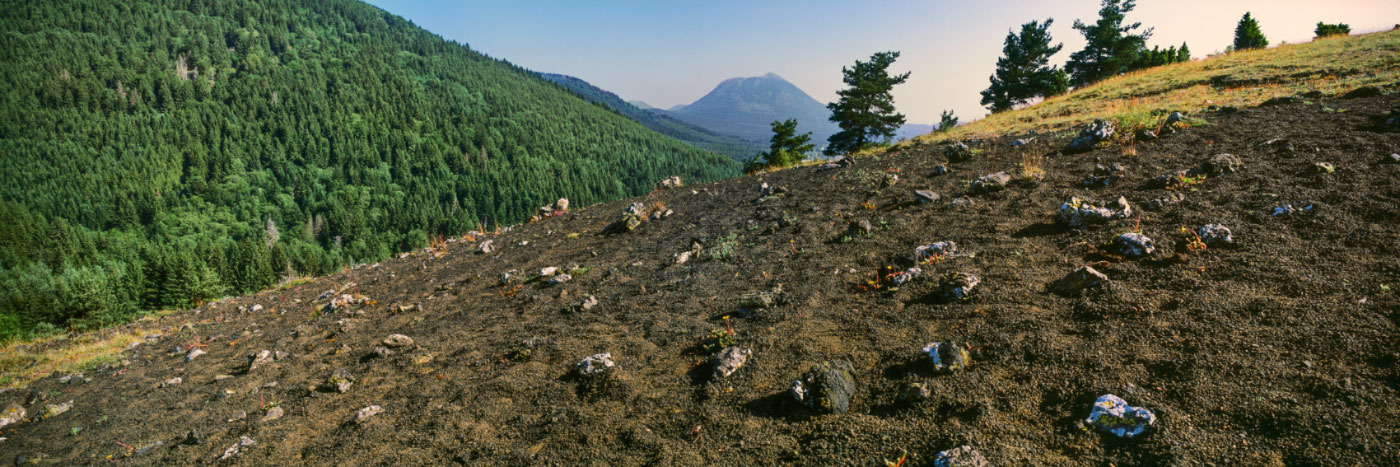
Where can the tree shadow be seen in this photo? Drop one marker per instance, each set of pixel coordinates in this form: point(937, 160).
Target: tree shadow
point(1041, 229)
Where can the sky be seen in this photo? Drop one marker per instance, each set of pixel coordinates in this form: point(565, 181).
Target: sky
point(669, 52)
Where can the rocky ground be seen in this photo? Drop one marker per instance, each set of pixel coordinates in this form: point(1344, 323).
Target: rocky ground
point(1278, 348)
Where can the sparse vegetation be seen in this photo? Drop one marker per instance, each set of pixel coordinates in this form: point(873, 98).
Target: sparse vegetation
point(1328, 30)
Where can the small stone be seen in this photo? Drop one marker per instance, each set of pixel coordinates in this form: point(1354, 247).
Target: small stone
point(957, 152)
point(1215, 234)
point(53, 410)
point(340, 380)
point(1078, 212)
point(221, 377)
point(1133, 245)
point(257, 307)
point(366, 413)
point(1113, 415)
point(263, 357)
point(1168, 200)
point(947, 356)
point(596, 365)
point(1324, 167)
point(1022, 142)
point(763, 299)
point(636, 209)
point(961, 456)
point(934, 250)
point(959, 286)
point(941, 169)
point(925, 196)
point(913, 392)
point(380, 352)
point(990, 183)
point(243, 443)
point(905, 276)
point(171, 382)
point(1393, 159)
point(962, 202)
point(589, 303)
point(1174, 118)
point(194, 354)
point(683, 256)
point(549, 271)
point(669, 183)
point(1079, 280)
point(398, 340)
point(272, 414)
point(1092, 134)
point(1220, 164)
point(238, 416)
point(562, 204)
point(729, 360)
point(486, 247)
point(826, 387)
point(12, 414)
point(560, 279)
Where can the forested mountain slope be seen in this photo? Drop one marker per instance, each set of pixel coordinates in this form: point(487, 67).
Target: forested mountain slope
point(163, 152)
point(725, 145)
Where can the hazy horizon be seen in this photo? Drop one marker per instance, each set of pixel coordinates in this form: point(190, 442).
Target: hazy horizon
point(666, 53)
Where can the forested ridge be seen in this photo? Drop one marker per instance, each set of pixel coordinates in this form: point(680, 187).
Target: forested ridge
point(155, 154)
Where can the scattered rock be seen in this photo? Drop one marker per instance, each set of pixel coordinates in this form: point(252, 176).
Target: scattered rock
point(257, 307)
point(366, 413)
point(1078, 213)
point(941, 169)
point(12, 414)
point(669, 183)
point(1175, 118)
point(636, 209)
point(1022, 142)
point(827, 387)
point(1215, 234)
point(549, 271)
point(596, 365)
point(398, 340)
point(961, 456)
point(1105, 175)
point(263, 357)
point(763, 299)
point(193, 438)
point(486, 247)
point(561, 205)
point(280, 355)
point(957, 152)
point(194, 354)
point(905, 276)
point(839, 162)
point(1133, 245)
point(171, 382)
point(1112, 414)
point(959, 286)
point(1145, 134)
point(53, 410)
point(1079, 280)
point(340, 381)
point(913, 392)
point(1323, 167)
point(1092, 134)
point(765, 191)
point(1168, 200)
point(238, 416)
point(243, 443)
point(272, 414)
point(962, 202)
point(990, 183)
point(925, 196)
point(729, 360)
point(683, 256)
point(947, 356)
point(1393, 159)
point(560, 279)
point(588, 304)
point(1220, 164)
point(934, 250)
point(627, 223)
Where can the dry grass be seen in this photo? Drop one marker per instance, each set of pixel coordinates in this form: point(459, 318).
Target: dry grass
point(1032, 165)
point(23, 362)
point(1332, 66)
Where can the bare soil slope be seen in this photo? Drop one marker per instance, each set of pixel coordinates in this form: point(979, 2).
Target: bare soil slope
point(1279, 350)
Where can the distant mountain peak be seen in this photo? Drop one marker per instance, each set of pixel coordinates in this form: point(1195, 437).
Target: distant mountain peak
point(746, 107)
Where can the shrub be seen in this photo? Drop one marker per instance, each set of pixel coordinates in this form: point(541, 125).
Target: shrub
point(1325, 30)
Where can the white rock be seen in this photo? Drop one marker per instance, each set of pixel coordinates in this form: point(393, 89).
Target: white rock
point(364, 414)
point(243, 443)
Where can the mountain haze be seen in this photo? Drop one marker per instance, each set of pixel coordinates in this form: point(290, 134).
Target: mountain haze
point(725, 145)
point(746, 107)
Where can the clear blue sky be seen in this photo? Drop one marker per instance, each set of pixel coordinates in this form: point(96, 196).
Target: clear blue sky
point(673, 52)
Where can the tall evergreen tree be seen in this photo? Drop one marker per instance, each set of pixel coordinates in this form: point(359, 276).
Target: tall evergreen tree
point(1247, 34)
point(865, 110)
point(1022, 71)
point(1183, 54)
point(787, 147)
point(1112, 47)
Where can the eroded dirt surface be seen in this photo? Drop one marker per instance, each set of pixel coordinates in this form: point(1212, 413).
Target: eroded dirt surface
point(1279, 350)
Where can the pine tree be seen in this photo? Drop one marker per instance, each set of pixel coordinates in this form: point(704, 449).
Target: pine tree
point(1022, 73)
point(787, 148)
point(1112, 48)
point(947, 121)
point(865, 110)
point(1247, 34)
point(1183, 54)
point(1324, 30)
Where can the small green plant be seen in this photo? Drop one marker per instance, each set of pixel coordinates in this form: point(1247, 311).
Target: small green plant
point(75, 430)
point(1193, 243)
point(1185, 181)
point(718, 339)
point(903, 456)
point(725, 248)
